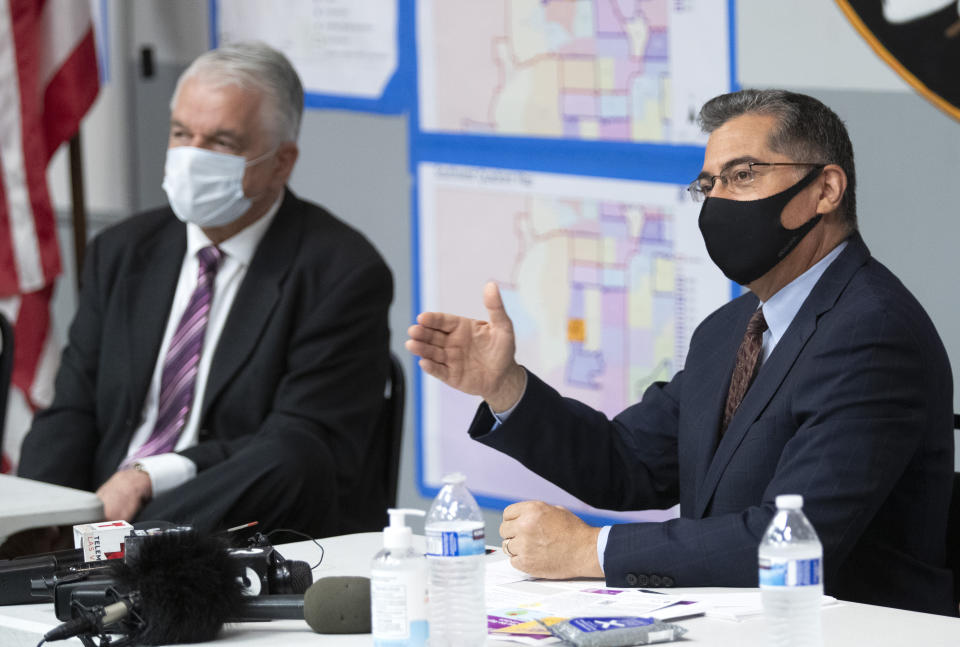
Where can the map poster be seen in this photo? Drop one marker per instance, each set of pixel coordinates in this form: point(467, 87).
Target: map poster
point(596, 70)
point(604, 279)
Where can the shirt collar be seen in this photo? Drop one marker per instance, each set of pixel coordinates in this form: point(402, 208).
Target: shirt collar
point(780, 309)
point(242, 245)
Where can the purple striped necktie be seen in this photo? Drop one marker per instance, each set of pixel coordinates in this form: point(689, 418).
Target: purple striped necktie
point(179, 376)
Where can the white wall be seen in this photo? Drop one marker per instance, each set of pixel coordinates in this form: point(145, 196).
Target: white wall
point(801, 44)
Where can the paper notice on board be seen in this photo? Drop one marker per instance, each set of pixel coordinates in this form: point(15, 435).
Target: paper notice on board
point(339, 47)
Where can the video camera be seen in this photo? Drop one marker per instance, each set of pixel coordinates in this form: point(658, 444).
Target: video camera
point(64, 577)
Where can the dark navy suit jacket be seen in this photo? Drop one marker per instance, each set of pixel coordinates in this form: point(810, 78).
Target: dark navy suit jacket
point(853, 410)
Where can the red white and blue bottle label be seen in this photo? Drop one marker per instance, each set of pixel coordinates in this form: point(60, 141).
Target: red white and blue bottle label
point(455, 543)
point(790, 572)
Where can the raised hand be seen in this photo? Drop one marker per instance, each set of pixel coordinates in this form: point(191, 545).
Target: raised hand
point(473, 356)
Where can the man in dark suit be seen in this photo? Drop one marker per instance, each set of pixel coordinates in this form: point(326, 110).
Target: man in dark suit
point(827, 379)
point(228, 358)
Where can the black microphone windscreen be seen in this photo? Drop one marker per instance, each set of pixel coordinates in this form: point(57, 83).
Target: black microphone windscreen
point(338, 605)
point(187, 583)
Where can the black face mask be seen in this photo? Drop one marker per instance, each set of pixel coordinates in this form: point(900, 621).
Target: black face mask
point(745, 238)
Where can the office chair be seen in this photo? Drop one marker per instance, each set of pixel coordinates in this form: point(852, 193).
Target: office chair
point(393, 421)
point(377, 490)
point(953, 530)
point(6, 368)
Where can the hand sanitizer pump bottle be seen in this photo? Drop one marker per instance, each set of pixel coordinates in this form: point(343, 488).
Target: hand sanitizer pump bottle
point(398, 587)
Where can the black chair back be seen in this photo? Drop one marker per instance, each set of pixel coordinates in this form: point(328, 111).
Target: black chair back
point(393, 409)
point(953, 531)
point(377, 488)
point(953, 540)
point(6, 369)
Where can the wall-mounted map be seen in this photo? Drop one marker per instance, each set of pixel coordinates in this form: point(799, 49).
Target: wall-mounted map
point(605, 281)
point(609, 70)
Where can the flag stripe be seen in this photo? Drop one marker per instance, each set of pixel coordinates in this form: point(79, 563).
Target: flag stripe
point(15, 28)
point(58, 29)
point(30, 331)
point(70, 94)
point(8, 269)
point(34, 229)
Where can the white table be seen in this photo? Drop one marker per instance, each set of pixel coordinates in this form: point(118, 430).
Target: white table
point(29, 504)
point(845, 625)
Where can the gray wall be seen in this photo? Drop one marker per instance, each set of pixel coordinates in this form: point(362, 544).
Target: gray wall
point(908, 153)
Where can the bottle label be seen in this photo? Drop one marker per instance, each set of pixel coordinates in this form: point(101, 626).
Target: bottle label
point(790, 572)
point(399, 605)
point(455, 543)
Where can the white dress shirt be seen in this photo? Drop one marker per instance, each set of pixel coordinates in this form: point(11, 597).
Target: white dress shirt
point(167, 471)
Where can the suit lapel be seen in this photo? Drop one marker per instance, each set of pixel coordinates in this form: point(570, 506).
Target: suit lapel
point(255, 300)
point(146, 295)
point(773, 372)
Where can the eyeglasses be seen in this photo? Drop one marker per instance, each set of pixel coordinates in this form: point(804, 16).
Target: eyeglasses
point(737, 178)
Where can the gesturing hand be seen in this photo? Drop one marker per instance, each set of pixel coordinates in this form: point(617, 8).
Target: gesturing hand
point(476, 357)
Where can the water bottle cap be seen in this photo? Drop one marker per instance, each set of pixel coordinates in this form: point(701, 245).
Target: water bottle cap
point(790, 501)
point(453, 479)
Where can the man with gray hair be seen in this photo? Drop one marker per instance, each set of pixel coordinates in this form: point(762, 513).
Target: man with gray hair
point(228, 358)
point(827, 380)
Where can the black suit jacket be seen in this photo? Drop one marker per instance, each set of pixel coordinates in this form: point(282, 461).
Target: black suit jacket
point(301, 362)
point(853, 410)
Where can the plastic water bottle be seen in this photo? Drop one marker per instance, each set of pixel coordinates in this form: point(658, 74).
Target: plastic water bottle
point(791, 576)
point(455, 549)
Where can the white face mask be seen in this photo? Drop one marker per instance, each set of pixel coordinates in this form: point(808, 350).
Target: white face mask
point(205, 187)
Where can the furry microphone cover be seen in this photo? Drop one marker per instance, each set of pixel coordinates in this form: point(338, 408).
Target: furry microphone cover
point(188, 586)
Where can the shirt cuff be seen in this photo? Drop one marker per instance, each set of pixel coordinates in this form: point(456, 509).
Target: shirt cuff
point(602, 545)
point(503, 415)
point(167, 471)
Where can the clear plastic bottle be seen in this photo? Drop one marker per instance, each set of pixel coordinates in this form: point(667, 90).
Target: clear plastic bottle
point(791, 576)
point(398, 587)
point(455, 549)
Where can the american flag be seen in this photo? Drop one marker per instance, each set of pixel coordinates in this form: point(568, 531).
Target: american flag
point(48, 81)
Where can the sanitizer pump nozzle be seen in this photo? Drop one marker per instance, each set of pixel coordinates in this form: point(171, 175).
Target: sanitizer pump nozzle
point(398, 535)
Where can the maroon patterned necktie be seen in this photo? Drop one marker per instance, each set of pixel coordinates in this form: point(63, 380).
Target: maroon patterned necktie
point(748, 360)
point(179, 375)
